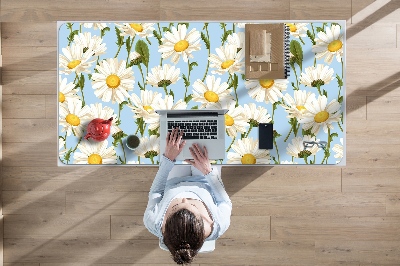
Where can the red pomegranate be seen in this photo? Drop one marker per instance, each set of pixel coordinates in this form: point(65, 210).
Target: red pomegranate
point(99, 129)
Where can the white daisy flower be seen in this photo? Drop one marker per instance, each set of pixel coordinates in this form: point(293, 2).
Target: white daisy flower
point(163, 76)
point(317, 76)
point(66, 92)
point(165, 104)
point(295, 107)
point(297, 29)
point(338, 149)
point(236, 39)
point(320, 114)
point(256, 114)
point(329, 44)
point(88, 42)
point(179, 43)
point(288, 162)
point(98, 111)
point(61, 148)
point(95, 25)
point(144, 106)
point(148, 147)
point(235, 120)
point(227, 59)
point(297, 150)
point(266, 90)
point(143, 30)
point(212, 93)
point(95, 153)
point(113, 81)
point(247, 152)
point(135, 58)
point(75, 60)
point(74, 118)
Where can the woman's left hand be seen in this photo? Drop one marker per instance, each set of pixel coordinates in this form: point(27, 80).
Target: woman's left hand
point(174, 144)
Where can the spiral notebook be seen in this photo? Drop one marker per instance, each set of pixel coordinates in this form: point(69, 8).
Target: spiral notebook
point(267, 51)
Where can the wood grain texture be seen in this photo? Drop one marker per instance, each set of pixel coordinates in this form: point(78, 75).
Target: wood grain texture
point(383, 108)
point(381, 180)
point(24, 106)
point(29, 82)
point(22, 34)
point(393, 204)
point(15, 130)
point(304, 9)
point(372, 156)
point(224, 10)
point(30, 154)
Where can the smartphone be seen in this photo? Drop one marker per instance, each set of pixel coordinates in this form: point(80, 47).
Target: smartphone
point(265, 136)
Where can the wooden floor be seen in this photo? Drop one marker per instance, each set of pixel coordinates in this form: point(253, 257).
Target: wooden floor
point(281, 215)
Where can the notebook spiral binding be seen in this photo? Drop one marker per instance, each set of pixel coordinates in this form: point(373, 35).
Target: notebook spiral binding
point(286, 50)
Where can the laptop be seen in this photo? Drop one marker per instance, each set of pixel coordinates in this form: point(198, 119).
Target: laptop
point(205, 127)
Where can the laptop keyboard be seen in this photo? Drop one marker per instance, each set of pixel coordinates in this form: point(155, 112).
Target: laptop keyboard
point(196, 129)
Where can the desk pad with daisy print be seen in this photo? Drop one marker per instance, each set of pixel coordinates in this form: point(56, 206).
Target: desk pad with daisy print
point(128, 70)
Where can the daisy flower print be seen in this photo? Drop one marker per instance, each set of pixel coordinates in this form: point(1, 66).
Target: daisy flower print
point(317, 76)
point(74, 118)
point(98, 111)
point(75, 60)
point(143, 30)
point(66, 91)
point(266, 90)
point(89, 42)
point(180, 43)
point(212, 93)
point(235, 120)
point(113, 80)
point(144, 106)
point(247, 152)
point(297, 29)
point(149, 147)
point(320, 114)
point(95, 26)
point(91, 152)
point(297, 150)
point(163, 76)
point(227, 59)
point(256, 114)
point(294, 107)
point(329, 44)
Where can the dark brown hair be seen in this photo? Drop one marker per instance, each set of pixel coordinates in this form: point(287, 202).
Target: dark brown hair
point(184, 235)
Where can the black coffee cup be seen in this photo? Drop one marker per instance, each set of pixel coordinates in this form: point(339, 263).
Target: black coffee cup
point(132, 142)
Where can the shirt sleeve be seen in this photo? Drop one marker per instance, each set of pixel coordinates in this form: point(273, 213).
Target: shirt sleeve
point(222, 199)
point(156, 194)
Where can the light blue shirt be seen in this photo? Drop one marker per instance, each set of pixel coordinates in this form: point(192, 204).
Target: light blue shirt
point(209, 188)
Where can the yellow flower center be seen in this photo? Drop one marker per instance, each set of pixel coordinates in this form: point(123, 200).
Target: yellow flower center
point(136, 26)
point(292, 27)
point(180, 46)
point(248, 159)
point(266, 83)
point(148, 108)
point(211, 96)
point(300, 108)
point(95, 159)
point(73, 64)
point(227, 64)
point(335, 45)
point(321, 117)
point(113, 81)
point(229, 120)
point(61, 97)
point(73, 120)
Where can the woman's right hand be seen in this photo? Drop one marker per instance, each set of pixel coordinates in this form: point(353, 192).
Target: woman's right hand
point(200, 159)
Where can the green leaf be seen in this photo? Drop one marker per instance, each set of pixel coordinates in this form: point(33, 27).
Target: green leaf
point(235, 80)
point(128, 44)
point(311, 36)
point(171, 93)
point(339, 81)
point(140, 86)
point(243, 76)
point(225, 35)
point(185, 80)
point(276, 134)
point(195, 107)
point(297, 51)
point(340, 100)
point(154, 132)
point(188, 98)
point(319, 29)
point(334, 135)
point(69, 25)
point(158, 37)
point(165, 29)
point(71, 36)
point(275, 105)
point(67, 155)
point(89, 76)
point(205, 40)
point(307, 132)
point(82, 81)
point(120, 39)
point(103, 31)
point(191, 65)
point(324, 92)
point(222, 25)
point(143, 49)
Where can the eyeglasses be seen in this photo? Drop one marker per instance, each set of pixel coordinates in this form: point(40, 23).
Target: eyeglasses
point(310, 144)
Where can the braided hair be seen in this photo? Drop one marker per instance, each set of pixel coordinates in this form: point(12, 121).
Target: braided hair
point(184, 235)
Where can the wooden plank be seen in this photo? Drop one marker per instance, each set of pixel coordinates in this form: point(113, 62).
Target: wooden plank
point(29, 82)
point(335, 228)
point(53, 226)
point(304, 9)
point(33, 202)
point(113, 264)
point(107, 203)
point(373, 12)
point(360, 155)
point(41, 62)
point(228, 252)
point(129, 227)
point(309, 204)
point(16, 130)
point(384, 36)
point(356, 108)
point(59, 10)
point(381, 180)
point(21, 264)
point(364, 252)
point(29, 34)
point(358, 6)
point(383, 108)
point(24, 106)
point(223, 10)
point(393, 204)
point(30, 154)
point(284, 179)
point(51, 106)
point(373, 132)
